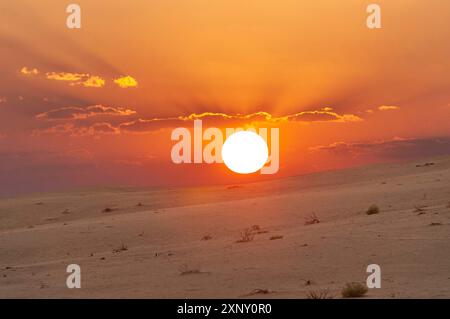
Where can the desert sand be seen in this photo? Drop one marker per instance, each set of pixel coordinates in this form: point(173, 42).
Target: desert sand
point(183, 243)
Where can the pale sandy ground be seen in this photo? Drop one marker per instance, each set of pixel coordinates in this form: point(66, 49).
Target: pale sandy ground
point(163, 238)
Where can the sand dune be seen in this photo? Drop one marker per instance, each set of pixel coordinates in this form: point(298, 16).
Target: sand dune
point(183, 242)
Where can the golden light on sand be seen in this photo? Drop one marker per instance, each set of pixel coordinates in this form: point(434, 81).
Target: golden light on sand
point(245, 152)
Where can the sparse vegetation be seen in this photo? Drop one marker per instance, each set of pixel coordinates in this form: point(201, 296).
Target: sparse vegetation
point(276, 237)
point(372, 210)
point(435, 224)
point(319, 294)
point(247, 235)
point(207, 237)
point(123, 247)
point(259, 292)
point(354, 290)
point(108, 210)
point(425, 165)
point(308, 282)
point(186, 270)
point(257, 230)
point(311, 219)
point(419, 208)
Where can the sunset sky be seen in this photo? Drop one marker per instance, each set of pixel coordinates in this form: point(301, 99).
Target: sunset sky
point(96, 106)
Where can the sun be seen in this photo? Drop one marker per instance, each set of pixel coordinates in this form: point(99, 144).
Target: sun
point(245, 152)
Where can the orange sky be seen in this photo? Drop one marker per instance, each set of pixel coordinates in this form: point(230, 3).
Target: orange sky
point(78, 107)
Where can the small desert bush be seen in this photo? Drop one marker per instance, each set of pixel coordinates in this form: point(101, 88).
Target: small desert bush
point(259, 292)
point(123, 247)
point(186, 270)
point(372, 210)
point(311, 219)
point(319, 294)
point(207, 237)
point(419, 208)
point(276, 237)
point(108, 210)
point(247, 235)
point(354, 290)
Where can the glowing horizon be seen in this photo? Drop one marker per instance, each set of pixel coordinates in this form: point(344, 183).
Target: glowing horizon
point(96, 106)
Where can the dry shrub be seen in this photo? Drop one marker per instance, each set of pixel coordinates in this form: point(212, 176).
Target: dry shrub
point(108, 210)
point(311, 219)
point(319, 294)
point(372, 210)
point(354, 290)
point(435, 224)
point(419, 208)
point(186, 270)
point(207, 237)
point(247, 235)
point(276, 237)
point(123, 247)
point(259, 292)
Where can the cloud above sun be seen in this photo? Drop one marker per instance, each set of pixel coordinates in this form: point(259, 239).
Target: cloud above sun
point(76, 113)
point(126, 82)
point(27, 71)
point(82, 79)
point(74, 116)
point(388, 107)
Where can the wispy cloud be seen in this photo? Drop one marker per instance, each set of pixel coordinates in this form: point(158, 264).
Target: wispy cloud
point(388, 107)
point(93, 81)
point(27, 71)
point(139, 125)
point(81, 79)
point(85, 80)
point(74, 130)
point(65, 76)
point(220, 119)
point(394, 148)
point(77, 113)
point(126, 82)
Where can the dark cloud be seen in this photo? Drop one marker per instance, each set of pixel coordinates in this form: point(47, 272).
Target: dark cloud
point(73, 129)
point(398, 148)
point(76, 113)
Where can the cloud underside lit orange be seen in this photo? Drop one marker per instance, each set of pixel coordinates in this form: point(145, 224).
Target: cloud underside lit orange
point(72, 120)
point(126, 82)
point(81, 79)
point(75, 113)
point(85, 80)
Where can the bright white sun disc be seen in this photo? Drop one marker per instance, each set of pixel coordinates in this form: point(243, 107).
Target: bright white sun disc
point(245, 152)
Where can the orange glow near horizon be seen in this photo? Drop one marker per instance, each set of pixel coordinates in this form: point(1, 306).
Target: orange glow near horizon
point(97, 105)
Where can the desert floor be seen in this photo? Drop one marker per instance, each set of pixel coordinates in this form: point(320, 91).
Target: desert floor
point(182, 243)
